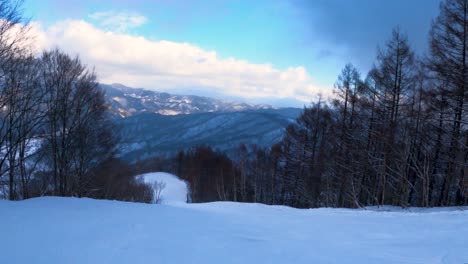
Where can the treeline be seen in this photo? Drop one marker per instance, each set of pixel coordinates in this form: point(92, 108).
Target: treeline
point(56, 137)
point(397, 136)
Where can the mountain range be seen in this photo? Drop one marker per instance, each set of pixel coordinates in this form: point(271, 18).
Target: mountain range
point(126, 101)
point(160, 124)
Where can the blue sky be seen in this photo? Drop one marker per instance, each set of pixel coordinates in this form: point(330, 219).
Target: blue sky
point(315, 36)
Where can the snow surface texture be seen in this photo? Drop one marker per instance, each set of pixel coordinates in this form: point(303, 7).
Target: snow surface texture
point(175, 190)
point(71, 230)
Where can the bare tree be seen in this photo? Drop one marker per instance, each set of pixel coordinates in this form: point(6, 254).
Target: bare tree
point(449, 44)
point(78, 134)
point(158, 187)
point(13, 38)
point(395, 79)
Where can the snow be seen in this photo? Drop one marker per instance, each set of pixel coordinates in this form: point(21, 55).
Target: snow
point(168, 112)
point(72, 230)
point(122, 101)
point(175, 190)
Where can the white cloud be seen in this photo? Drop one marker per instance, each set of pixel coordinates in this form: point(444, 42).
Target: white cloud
point(118, 21)
point(164, 65)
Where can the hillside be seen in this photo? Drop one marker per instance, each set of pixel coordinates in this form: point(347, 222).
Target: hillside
point(148, 135)
point(71, 230)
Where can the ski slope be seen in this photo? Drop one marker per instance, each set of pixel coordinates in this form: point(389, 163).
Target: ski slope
point(72, 230)
point(175, 190)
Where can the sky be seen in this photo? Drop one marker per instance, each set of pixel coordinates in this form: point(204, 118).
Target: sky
point(280, 52)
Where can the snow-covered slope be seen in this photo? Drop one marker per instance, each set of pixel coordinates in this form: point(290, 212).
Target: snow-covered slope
point(174, 191)
point(70, 230)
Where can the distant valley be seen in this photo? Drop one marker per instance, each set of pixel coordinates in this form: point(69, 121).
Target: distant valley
point(159, 124)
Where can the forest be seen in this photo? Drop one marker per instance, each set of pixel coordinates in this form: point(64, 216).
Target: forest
point(396, 135)
point(56, 136)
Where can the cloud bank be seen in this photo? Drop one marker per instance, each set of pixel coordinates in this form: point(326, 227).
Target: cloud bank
point(170, 66)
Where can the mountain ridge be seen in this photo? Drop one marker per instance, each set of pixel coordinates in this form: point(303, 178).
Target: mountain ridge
point(126, 101)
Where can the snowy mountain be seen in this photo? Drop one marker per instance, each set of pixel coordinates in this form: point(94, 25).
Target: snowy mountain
point(72, 230)
point(148, 135)
point(126, 101)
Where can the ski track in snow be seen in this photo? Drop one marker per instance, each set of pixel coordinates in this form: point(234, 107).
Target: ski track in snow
point(72, 230)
